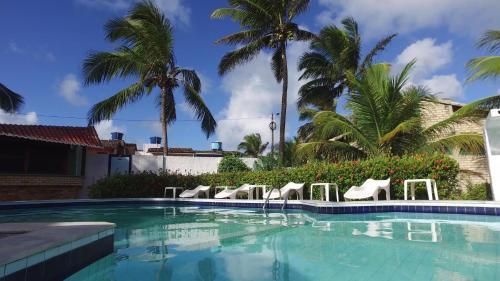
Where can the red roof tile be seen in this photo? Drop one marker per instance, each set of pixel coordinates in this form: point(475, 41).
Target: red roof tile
point(83, 136)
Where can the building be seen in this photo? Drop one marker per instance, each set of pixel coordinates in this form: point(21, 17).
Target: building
point(115, 146)
point(43, 162)
point(474, 168)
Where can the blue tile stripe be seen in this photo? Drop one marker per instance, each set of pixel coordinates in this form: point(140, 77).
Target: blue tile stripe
point(339, 209)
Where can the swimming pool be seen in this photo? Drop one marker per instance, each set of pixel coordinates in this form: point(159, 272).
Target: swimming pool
point(218, 243)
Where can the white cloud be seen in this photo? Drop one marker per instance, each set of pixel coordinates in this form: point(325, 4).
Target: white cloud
point(106, 127)
point(38, 53)
point(175, 10)
point(255, 93)
point(13, 47)
point(29, 118)
point(444, 86)
point(69, 88)
point(378, 18)
point(429, 55)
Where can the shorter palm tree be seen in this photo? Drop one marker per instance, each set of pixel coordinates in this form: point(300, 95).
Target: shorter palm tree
point(252, 145)
point(486, 66)
point(333, 53)
point(9, 100)
point(387, 120)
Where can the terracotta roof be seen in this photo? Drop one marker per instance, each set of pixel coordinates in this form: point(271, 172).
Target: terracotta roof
point(83, 136)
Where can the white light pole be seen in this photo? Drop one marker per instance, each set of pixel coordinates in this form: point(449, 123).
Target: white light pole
point(492, 143)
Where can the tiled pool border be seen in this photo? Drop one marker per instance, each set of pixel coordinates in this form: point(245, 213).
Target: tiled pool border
point(355, 207)
point(59, 262)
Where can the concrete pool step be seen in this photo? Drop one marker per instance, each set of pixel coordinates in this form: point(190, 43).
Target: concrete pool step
point(51, 251)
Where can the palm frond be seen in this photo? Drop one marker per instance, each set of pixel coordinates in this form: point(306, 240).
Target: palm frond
point(379, 47)
point(297, 7)
point(242, 37)
point(9, 100)
point(244, 54)
point(329, 150)
point(330, 125)
point(99, 67)
point(490, 40)
point(202, 112)
point(470, 143)
point(105, 109)
point(483, 68)
point(410, 126)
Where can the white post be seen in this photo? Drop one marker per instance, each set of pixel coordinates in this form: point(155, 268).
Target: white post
point(492, 144)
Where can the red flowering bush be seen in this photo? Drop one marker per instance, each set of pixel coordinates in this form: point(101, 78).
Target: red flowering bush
point(345, 174)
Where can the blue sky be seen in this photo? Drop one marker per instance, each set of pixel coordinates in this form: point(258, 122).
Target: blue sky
point(44, 43)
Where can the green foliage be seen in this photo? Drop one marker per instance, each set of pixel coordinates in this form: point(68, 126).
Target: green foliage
point(333, 53)
point(9, 100)
point(267, 162)
point(386, 120)
point(143, 185)
point(252, 145)
point(346, 174)
point(486, 66)
point(480, 191)
point(144, 52)
point(264, 24)
point(232, 163)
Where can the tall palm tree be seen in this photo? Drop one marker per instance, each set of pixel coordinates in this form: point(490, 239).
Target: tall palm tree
point(252, 145)
point(486, 66)
point(386, 120)
point(265, 24)
point(335, 52)
point(9, 100)
point(146, 54)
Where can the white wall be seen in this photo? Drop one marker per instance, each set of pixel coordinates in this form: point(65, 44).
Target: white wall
point(96, 167)
point(181, 164)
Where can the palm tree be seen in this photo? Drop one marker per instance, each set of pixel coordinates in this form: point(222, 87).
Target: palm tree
point(335, 52)
point(486, 66)
point(252, 145)
point(265, 24)
point(9, 100)
point(386, 120)
point(146, 54)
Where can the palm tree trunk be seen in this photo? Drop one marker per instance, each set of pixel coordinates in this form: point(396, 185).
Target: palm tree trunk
point(164, 125)
point(284, 100)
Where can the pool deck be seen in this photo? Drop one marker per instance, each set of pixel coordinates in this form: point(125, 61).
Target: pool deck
point(51, 251)
point(417, 206)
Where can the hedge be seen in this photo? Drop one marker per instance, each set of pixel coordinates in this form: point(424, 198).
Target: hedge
point(346, 174)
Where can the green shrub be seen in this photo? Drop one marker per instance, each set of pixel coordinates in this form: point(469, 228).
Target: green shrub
point(266, 163)
point(232, 163)
point(480, 191)
point(346, 174)
point(143, 185)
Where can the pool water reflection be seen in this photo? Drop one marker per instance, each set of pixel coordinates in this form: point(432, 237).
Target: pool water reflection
point(192, 243)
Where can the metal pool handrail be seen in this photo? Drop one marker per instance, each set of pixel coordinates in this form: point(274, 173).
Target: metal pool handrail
point(266, 202)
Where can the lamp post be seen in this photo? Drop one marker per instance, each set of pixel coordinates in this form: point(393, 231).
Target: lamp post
point(272, 126)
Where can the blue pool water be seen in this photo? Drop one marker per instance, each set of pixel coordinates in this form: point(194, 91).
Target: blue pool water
point(194, 243)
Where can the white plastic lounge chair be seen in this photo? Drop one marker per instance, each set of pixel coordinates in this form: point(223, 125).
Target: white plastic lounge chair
point(232, 193)
point(297, 188)
point(200, 189)
point(370, 188)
